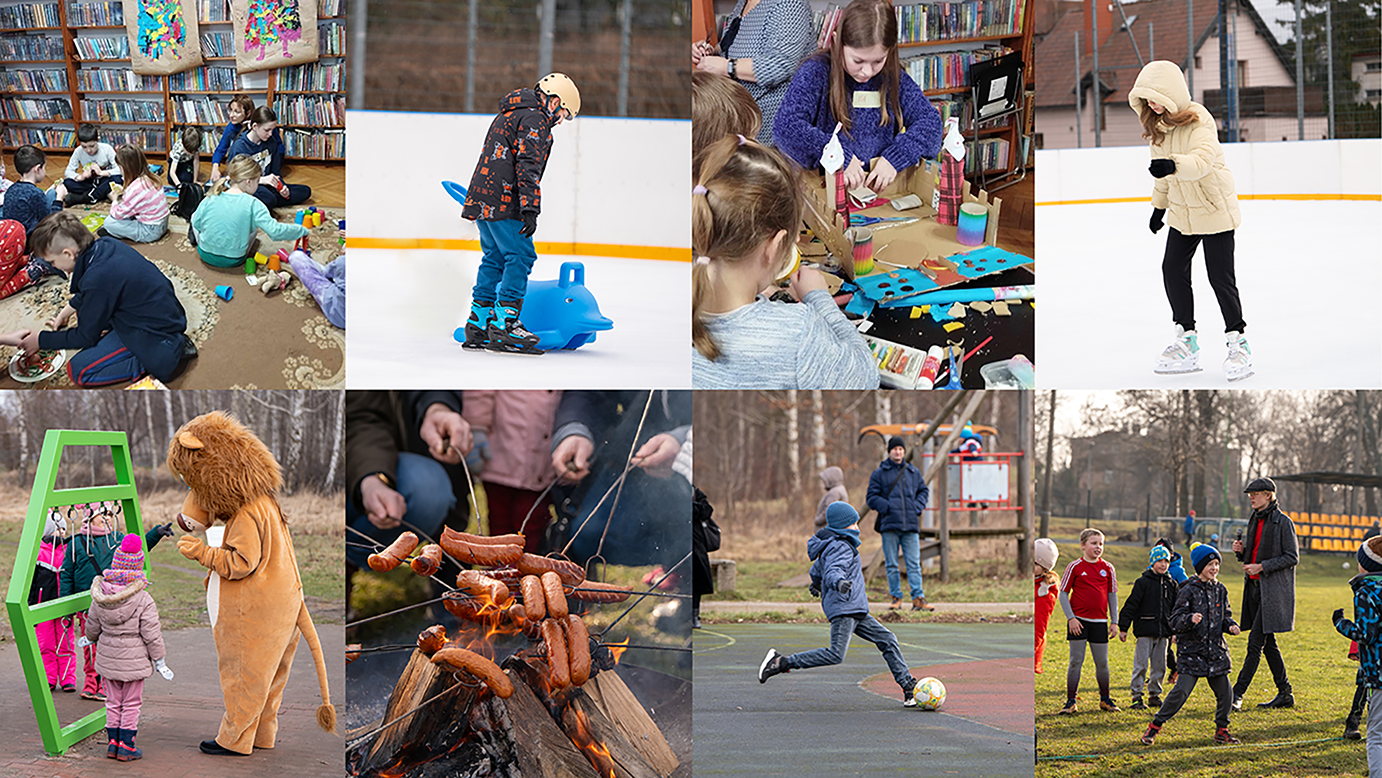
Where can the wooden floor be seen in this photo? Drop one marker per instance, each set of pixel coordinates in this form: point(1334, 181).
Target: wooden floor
point(326, 179)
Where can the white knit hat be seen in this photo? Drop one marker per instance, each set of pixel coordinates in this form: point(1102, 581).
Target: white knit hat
point(1046, 553)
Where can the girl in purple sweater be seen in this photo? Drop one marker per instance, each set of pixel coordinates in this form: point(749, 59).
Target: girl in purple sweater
point(887, 124)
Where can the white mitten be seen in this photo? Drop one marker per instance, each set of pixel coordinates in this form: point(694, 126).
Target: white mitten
point(163, 669)
point(82, 642)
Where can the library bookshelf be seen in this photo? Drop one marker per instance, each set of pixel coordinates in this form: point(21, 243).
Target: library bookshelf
point(66, 63)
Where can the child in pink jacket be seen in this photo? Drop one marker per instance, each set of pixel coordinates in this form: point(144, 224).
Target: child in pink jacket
point(123, 623)
point(54, 637)
point(513, 445)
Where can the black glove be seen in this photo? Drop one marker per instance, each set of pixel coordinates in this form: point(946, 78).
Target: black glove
point(1338, 615)
point(1161, 168)
point(529, 224)
point(166, 530)
point(844, 586)
point(815, 589)
point(1156, 223)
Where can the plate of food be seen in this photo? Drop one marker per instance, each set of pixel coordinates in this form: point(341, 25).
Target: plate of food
point(40, 367)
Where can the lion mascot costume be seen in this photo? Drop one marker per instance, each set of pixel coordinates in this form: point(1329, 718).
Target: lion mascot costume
point(254, 591)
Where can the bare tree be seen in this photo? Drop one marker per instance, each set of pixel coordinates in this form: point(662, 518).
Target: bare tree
point(793, 443)
point(818, 429)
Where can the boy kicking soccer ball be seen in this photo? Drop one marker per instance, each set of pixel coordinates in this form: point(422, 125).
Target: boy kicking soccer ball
point(837, 577)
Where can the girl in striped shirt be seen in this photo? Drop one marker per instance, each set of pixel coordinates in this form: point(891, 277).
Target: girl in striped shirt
point(140, 212)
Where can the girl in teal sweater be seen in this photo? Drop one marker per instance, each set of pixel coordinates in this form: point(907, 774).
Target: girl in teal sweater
point(224, 225)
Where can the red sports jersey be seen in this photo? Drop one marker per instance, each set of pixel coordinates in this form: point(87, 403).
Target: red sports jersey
point(1089, 585)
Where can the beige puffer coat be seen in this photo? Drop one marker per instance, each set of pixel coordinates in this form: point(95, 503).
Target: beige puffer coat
point(1199, 197)
point(124, 626)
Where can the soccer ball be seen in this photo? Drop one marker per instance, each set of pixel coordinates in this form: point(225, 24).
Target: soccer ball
point(929, 693)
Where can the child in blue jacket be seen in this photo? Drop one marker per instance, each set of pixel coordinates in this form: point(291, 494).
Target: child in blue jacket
point(837, 577)
point(1366, 628)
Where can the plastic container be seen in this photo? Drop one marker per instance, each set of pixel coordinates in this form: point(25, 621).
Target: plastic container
point(1015, 373)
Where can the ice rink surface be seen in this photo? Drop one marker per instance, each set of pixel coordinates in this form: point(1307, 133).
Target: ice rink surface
point(404, 308)
point(1309, 277)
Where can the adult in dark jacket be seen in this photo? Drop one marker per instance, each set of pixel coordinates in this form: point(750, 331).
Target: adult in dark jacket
point(504, 200)
point(403, 468)
point(704, 534)
point(131, 322)
point(1366, 629)
point(833, 482)
point(594, 433)
point(1269, 558)
point(898, 492)
point(837, 577)
point(1148, 612)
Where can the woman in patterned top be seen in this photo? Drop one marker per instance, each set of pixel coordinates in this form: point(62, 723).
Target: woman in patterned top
point(761, 46)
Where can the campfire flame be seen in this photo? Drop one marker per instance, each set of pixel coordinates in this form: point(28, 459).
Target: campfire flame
point(617, 652)
point(595, 751)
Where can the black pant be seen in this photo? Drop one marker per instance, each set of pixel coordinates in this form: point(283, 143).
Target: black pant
point(1223, 695)
point(1359, 698)
point(184, 173)
point(1259, 643)
point(97, 187)
point(1218, 260)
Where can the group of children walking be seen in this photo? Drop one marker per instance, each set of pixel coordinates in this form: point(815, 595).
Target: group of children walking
point(121, 639)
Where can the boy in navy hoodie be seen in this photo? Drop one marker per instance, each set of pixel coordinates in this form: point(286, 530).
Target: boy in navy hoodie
point(837, 577)
point(131, 321)
point(25, 202)
point(1148, 612)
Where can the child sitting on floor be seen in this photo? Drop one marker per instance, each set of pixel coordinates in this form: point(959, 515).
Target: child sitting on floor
point(5, 183)
point(25, 202)
point(139, 212)
point(131, 322)
point(745, 216)
point(123, 623)
point(91, 170)
point(185, 157)
point(224, 225)
point(327, 284)
point(261, 143)
point(239, 113)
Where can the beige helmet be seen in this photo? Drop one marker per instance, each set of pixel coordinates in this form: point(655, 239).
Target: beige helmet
point(562, 86)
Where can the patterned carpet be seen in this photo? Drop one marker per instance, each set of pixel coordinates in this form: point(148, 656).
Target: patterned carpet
point(281, 341)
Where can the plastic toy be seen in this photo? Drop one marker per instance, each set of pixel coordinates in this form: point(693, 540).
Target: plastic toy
point(225, 292)
point(561, 312)
point(309, 217)
point(274, 280)
point(454, 189)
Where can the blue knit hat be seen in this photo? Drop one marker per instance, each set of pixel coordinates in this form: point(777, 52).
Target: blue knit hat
point(1157, 554)
point(1370, 555)
point(1201, 554)
point(840, 516)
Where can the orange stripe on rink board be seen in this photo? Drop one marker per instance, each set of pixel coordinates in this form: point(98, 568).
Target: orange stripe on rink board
point(1364, 197)
point(667, 253)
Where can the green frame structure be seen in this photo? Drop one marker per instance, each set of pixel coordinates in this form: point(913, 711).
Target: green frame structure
point(23, 617)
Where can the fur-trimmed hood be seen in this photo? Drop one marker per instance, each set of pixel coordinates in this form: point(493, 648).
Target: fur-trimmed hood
point(112, 600)
point(224, 464)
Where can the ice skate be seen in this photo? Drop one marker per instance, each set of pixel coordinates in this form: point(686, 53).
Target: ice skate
point(507, 334)
point(1182, 356)
point(477, 325)
point(1238, 364)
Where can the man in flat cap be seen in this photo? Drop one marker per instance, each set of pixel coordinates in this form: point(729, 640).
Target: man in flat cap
point(1269, 555)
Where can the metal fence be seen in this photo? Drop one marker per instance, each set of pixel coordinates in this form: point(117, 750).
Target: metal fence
point(628, 57)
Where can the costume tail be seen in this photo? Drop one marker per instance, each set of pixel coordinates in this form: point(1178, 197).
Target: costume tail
point(326, 714)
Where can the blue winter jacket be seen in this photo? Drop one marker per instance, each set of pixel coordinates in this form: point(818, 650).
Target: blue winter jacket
point(834, 559)
point(1366, 628)
point(899, 508)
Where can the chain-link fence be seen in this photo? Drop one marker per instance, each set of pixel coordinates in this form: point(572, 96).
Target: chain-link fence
point(627, 57)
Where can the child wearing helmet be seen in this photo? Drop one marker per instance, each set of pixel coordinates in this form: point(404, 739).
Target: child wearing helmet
point(504, 200)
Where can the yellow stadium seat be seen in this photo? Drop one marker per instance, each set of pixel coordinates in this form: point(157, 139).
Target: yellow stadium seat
point(1357, 533)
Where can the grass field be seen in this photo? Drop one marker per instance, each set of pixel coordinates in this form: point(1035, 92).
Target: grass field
point(1303, 741)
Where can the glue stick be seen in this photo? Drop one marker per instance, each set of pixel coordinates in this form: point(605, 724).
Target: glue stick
point(930, 367)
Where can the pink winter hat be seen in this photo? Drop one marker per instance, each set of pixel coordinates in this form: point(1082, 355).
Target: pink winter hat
point(128, 564)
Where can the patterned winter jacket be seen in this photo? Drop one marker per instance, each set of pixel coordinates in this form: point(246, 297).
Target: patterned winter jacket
point(1203, 652)
point(1366, 628)
point(508, 179)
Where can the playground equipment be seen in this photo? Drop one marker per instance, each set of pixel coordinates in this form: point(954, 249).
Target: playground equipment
point(24, 617)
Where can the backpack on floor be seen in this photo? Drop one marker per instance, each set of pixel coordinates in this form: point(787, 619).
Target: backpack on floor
point(189, 197)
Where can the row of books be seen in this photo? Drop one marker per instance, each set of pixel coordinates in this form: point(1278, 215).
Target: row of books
point(116, 80)
point(314, 77)
point(218, 44)
point(31, 108)
point(122, 110)
point(31, 47)
point(47, 138)
point(329, 144)
point(148, 139)
point(948, 69)
point(928, 22)
point(102, 48)
point(311, 111)
point(27, 16)
point(34, 80)
point(206, 79)
point(990, 153)
point(329, 8)
point(88, 14)
point(199, 110)
point(213, 10)
point(331, 40)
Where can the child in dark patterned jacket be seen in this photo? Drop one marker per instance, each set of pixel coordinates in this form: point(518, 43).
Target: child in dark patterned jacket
point(1147, 611)
point(1366, 628)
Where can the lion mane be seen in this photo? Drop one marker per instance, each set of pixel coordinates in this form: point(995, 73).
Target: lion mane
point(225, 464)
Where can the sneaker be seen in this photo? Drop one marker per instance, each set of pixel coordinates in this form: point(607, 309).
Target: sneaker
point(1281, 700)
point(1149, 737)
point(128, 750)
point(1137, 704)
point(507, 334)
point(97, 696)
point(1237, 702)
point(69, 688)
point(476, 336)
point(1108, 704)
point(113, 747)
point(1069, 706)
point(102, 232)
point(1351, 731)
point(1238, 364)
point(909, 697)
point(1154, 702)
point(920, 604)
point(773, 664)
point(1182, 356)
point(1222, 736)
point(896, 604)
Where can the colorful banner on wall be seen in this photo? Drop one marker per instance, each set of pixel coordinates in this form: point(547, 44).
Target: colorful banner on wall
point(274, 33)
point(163, 36)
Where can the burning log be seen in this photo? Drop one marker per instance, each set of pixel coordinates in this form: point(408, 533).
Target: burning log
point(617, 703)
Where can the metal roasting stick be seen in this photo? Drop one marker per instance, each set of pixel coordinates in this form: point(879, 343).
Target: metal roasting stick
point(536, 503)
point(600, 549)
point(379, 547)
point(393, 612)
point(423, 704)
point(591, 515)
point(651, 590)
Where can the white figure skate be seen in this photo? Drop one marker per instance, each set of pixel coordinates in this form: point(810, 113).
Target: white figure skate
point(1182, 356)
point(1238, 364)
